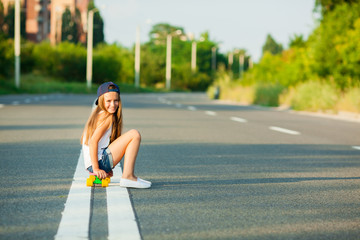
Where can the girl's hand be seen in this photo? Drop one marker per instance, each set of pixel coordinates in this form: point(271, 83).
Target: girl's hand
point(100, 173)
point(110, 174)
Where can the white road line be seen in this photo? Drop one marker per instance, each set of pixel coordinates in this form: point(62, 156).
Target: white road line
point(192, 108)
point(74, 223)
point(2, 105)
point(356, 147)
point(178, 105)
point(121, 217)
point(161, 99)
point(237, 119)
point(284, 130)
point(15, 103)
point(210, 113)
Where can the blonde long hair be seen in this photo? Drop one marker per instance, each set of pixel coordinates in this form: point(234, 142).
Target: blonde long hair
point(92, 123)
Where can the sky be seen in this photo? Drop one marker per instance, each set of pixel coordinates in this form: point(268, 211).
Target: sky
point(234, 24)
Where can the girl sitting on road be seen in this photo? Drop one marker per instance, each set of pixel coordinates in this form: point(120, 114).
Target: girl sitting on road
point(103, 144)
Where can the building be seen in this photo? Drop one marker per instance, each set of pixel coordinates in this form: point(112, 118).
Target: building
point(44, 17)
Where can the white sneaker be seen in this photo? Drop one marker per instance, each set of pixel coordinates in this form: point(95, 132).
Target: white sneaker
point(140, 183)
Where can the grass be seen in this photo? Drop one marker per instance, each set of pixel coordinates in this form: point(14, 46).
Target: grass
point(34, 83)
point(312, 96)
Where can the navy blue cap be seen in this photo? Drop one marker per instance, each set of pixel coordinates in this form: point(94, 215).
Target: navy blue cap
point(104, 88)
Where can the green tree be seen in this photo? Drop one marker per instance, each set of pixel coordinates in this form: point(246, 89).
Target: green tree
point(271, 46)
point(332, 43)
point(2, 18)
point(160, 31)
point(98, 32)
point(325, 6)
point(9, 22)
point(297, 41)
point(69, 29)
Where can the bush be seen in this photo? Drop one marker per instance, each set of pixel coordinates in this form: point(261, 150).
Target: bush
point(45, 58)
point(7, 57)
point(71, 62)
point(315, 96)
point(350, 101)
point(268, 94)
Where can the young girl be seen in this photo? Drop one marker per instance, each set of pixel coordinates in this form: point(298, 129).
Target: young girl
point(103, 144)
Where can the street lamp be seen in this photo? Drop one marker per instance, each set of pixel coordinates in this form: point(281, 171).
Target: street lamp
point(168, 57)
point(137, 58)
point(17, 43)
point(137, 55)
point(90, 30)
point(241, 65)
point(213, 58)
point(193, 54)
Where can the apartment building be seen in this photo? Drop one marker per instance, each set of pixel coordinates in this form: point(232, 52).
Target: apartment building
point(44, 17)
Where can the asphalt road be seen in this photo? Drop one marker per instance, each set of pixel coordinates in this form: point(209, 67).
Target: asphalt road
point(218, 171)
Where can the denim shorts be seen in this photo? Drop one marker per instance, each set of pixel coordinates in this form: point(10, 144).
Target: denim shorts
point(106, 162)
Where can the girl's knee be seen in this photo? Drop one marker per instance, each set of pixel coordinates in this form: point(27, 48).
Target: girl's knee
point(135, 134)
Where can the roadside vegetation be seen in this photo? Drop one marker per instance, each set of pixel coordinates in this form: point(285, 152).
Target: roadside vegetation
point(321, 73)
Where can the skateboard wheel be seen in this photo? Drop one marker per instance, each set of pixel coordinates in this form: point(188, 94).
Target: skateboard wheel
point(108, 179)
point(89, 182)
point(104, 183)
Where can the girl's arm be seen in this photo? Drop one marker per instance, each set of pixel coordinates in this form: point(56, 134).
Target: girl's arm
point(93, 145)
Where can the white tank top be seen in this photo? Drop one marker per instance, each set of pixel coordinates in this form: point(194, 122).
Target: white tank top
point(103, 143)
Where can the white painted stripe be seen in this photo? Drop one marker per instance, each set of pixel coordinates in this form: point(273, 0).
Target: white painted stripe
point(2, 105)
point(192, 108)
point(210, 113)
point(15, 103)
point(121, 217)
point(237, 119)
point(284, 130)
point(178, 105)
point(356, 147)
point(74, 223)
point(161, 99)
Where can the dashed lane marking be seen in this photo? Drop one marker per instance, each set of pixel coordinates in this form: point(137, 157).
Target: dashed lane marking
point(237, 119)
point(356, 147)
point(284, 130)
point(192, 108)
point(211, 113)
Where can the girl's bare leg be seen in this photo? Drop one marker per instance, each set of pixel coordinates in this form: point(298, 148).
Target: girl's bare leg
point(127, 144)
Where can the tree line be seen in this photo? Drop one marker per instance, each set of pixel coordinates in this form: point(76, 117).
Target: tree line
point(321, 72)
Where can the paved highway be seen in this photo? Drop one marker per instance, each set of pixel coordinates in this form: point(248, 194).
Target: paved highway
point(218, 171)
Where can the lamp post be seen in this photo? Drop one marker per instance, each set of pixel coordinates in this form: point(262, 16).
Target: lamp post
point(193, 54)
point(241, 65)
point(17, 43)
point(137, 55)
point(213, 58)
point(90, 30)
point(168, 57)
point(137, 58)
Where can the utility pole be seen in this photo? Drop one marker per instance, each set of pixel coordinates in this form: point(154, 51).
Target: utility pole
point(17, 43)
point(137, 58)
point(90, 30)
